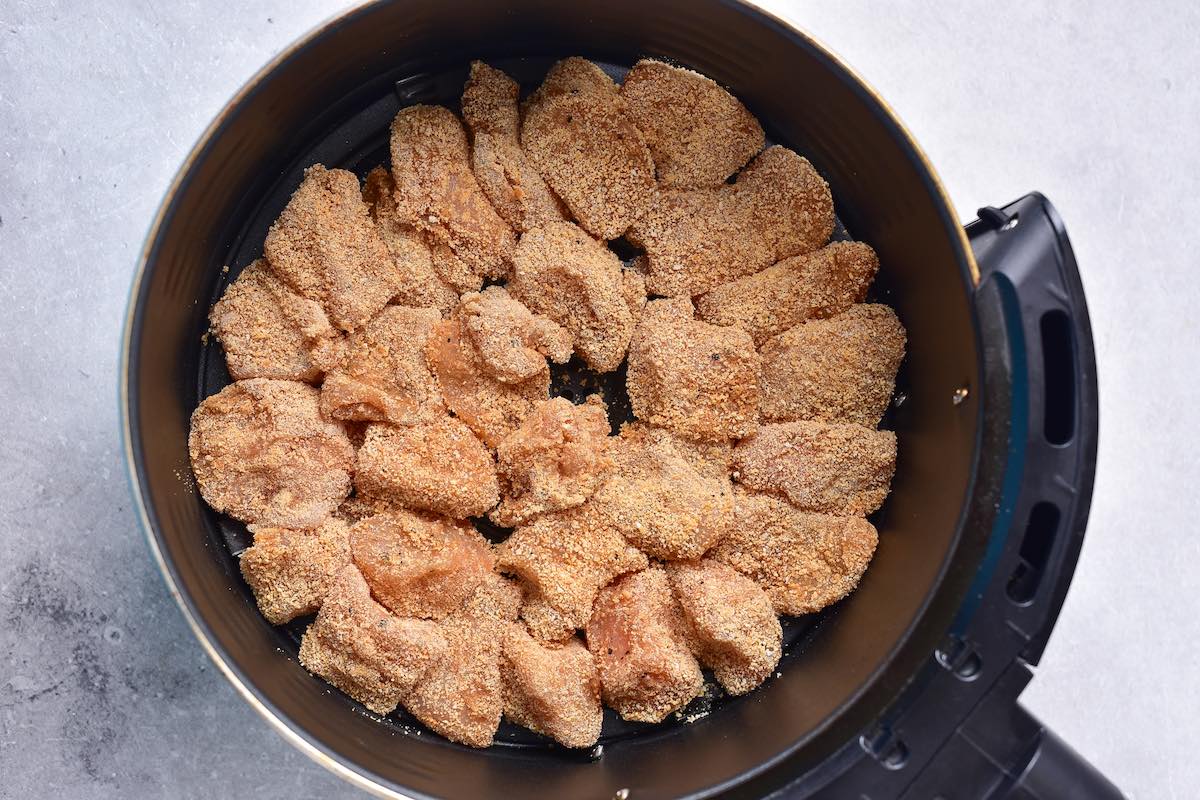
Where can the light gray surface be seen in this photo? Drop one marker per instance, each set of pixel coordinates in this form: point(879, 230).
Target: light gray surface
point(104, 693)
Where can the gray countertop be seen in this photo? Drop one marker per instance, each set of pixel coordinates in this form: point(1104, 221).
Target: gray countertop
point(104, 692)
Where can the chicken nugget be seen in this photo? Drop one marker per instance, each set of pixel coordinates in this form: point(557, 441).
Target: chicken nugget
point(840, 369)
point(262, 453)
point(731, 625)
point(671, 498)
point(437, 194)
point(562, 272)
point(512, 343)
point(563, 559)
point(491, 408)
point(555, 460)
point(437, 466)
point(290, 570)
point(506, 175)
point(698, 133)
point(803, 561)
point(696, 379)
point(382, 375)
point(579, 137)
point(811, 286)
point(790, 205)
point(830, 468)
point(420, 565)
point(637, 635)
point(420, 284)
point(326, 247)
point(553, 690)
point(359, 647)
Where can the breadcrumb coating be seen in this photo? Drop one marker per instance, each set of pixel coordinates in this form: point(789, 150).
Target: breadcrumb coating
point(730, 622)
point(437, 466)
point(840, 369)
point(831, 468)
point(579, 137)
point(553, 690)
point(290, 570)
point(698, 133)
point(326, 247)
point(811, 286)
point(698, 380)
point(512, 342)
point(562, 272)
point(359, 506)
point(382, 375)
point(262, 453)
point(637, 635)
point(803, 561)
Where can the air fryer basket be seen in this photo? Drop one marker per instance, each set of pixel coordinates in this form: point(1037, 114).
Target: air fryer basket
point(983, 359)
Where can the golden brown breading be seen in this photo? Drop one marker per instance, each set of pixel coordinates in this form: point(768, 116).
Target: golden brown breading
point(633, 289)
point(325, 246)
point(437, 466)
point(698, 133)
point(359, 647)
point(290, 570)
point(841, 369)
point(578, 135)
point(491, 408)
point(696, 379)
point(731, 625)
point(562, 272)
point(382, 375)
point(420, 285)
point(420, 565)
point(819, 466)
point(497, 597)
point(553, 690)
point(564, 558)
point(437, 194)
point(261, 452)
point(803, 561)
point(669, 497)
point(697, 239)
point(815, 285)
point(269, 331)
point(555, 460)
point(359, 506)
point(512, 343)
point(506, 175)
point(638, 638)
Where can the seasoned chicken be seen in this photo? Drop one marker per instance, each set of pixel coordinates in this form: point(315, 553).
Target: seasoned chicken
point(290, 570)
point(511, 342)
point(551, 689)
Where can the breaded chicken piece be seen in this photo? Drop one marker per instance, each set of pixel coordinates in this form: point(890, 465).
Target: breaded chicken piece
point(637, 635)
point(497, 597)
point(698, 133)
point(671, 498)
point(731, 625)
point(840, 369)
point(697, 239)
point(562, 272)
point(326, 247)
point(555, 460)
point(420, 565)
point(512, 342)
point(420, 284)
point(359, 506)
point(803, 561)
point(579, 137)
point(262, 453)
point(811, 286)
point(382, 375)
point(437, 194)
point(491, 408)
point(696, 379)
point(506, 175)
point(269, 331)
point(290, 570)
point(437, 466)
point(830, 468)
point(563, 559)
point(553, 690)
point(360, 648)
